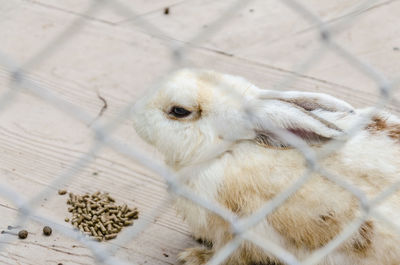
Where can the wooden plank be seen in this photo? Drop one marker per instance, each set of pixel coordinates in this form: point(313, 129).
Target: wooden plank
point(27, 163)
point(268, 33)
point(114, 77)
point(106, 12)
point(118, 61)
point(260, 22)
point(58, 248)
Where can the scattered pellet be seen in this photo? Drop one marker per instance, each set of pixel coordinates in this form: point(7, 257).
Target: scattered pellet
point(62, 192)
point(98, 238)
point(124, 208)
point(166, 11)
point(110, 236)
point(47, 230)
point(23, 234)
point(128, 222)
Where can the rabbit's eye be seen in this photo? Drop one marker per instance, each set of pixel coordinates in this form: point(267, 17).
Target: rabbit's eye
point(179, 112)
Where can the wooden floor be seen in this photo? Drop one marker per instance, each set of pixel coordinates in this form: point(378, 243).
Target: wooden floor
point(112, 57)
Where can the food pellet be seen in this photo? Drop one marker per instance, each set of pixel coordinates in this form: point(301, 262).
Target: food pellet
point(128, 222)
point(98, 216)
point(47, 230)
point(111, 236)
point(62, 192)
point(23, 234)
point(166, 11)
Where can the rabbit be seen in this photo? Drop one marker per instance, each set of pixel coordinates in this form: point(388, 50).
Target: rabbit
point(220, 135)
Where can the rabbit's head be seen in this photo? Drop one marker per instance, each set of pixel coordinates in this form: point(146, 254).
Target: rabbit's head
point(196, 115)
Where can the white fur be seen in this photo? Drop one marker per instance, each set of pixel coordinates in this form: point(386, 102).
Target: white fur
point(215, 146)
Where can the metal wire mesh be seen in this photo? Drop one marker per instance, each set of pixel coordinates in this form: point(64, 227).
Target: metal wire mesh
point(20, 80)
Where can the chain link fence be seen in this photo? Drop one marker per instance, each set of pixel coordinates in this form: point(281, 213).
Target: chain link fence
point(103, 136)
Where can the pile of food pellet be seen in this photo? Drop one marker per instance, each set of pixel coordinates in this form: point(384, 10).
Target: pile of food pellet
point(97, 215)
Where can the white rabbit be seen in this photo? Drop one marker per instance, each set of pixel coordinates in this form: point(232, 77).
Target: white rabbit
point(221, 135)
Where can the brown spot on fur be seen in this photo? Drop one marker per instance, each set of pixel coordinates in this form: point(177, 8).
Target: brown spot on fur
point(362, 242)
point(394, 131)
point(302, 220)
point(327, 217)
point(305, 232)
point(196, 256)
point(251, 254)
point(290, 219)
point(204, 242)
point(305, 223)
point(380, 124)
point(244, 195)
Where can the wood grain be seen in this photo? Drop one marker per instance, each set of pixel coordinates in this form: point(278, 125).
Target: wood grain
point(114, 58)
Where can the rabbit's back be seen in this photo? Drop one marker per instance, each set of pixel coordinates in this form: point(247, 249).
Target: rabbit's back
point(317, 212)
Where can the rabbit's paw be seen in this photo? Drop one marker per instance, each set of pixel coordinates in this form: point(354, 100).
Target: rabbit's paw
point(195, 256)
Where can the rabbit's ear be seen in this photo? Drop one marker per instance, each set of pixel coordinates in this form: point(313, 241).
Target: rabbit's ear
point(273, 119)
point(308, 100)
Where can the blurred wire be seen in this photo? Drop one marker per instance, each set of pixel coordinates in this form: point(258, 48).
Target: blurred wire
point(241, 227)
